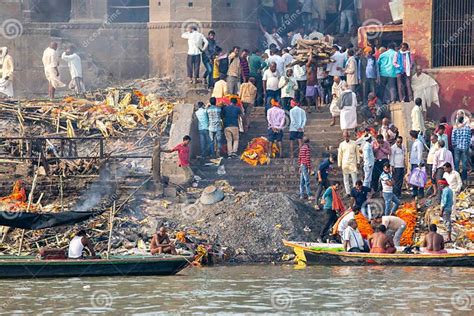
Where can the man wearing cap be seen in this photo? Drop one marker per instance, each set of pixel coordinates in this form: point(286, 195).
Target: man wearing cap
point(446, 205)
point(276, 122)
point(297, 124)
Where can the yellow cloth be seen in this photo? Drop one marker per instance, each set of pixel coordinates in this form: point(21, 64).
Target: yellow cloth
point(215, 71)
point(348, 157)
point(220, 89)
point(248, 92)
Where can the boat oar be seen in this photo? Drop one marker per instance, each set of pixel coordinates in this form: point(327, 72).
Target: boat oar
point(30, 199)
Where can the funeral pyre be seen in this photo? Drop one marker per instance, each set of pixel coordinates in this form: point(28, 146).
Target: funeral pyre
point(102, 122)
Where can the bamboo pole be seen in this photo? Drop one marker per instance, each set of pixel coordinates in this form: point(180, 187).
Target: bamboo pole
point(111, 225)
point(61, 191)
point(30, 199)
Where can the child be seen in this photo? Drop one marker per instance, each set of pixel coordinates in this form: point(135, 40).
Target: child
point(417, 179)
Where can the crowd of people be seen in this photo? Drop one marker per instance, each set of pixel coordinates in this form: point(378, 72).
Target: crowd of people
point(359, 82)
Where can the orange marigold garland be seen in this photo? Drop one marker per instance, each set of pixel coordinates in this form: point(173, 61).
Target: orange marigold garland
point(364, 226)
point(408, 213)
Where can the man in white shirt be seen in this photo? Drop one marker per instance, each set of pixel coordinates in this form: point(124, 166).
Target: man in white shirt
point(416, 153)
point(348, 159)
point(271, 79)
point(397, 162)
point(297, 36)
point(75, 68)
point(50, 63)
point(197, 43)
point(287, 58)
point(278, 60)
point(273, 38)
point(454, 181)
point(337, 67)
point(352, 238)
point(6, 72)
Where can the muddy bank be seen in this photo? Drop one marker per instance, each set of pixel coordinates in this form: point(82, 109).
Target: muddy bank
point(247, 227)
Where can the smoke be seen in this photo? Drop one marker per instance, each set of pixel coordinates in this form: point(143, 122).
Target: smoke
point(101, 194)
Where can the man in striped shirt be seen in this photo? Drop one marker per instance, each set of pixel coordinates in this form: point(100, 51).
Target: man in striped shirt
point(304, 161)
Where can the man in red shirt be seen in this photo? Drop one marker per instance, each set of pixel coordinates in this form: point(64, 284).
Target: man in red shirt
point(304, 161)
point(183, 157)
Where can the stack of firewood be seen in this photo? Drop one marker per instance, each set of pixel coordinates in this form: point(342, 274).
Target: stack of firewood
point(320, 52)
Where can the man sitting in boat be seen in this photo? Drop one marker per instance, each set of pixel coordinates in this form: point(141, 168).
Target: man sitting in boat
point(395, 226)
point(161, 243)
point(352, 239)
point(433, 242)
point(381, 243)
point(77, 244)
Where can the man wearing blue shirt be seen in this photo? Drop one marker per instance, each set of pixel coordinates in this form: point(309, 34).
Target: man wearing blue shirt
point(388, 74)
point(215, 126)
point(446, 205)
point(461, 140)
point(230, 115)
point(322, 176)
point(203, 128)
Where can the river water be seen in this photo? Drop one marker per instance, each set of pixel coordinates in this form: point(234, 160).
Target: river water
point(251, 289)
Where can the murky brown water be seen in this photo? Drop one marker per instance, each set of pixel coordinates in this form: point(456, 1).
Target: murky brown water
point(251, 289)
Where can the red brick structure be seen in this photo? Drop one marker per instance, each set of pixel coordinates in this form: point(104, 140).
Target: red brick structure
point(456, 83)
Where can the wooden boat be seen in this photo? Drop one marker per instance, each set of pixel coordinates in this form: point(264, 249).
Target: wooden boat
point(32, 267)
point(333, 254)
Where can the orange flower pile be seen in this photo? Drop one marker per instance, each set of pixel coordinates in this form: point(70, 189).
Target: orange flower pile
point(256, 152)
point(408, 213)
point(364, 226)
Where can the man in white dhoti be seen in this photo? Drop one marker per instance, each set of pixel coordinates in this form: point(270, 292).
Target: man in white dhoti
point(75, 68)
point(348, 104)
point(336, 93)
point(51, 63)
point(425, 88)
point(6, 73)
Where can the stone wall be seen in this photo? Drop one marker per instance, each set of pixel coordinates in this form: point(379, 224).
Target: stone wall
point(234, 24)
point(110, 53)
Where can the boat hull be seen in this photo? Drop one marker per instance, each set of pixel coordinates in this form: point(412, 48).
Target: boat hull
point(307, 256)
point(143, 266)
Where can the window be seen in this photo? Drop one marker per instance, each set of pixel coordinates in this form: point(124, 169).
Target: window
point(129, 11)
point(453, 33)
point(50, 10)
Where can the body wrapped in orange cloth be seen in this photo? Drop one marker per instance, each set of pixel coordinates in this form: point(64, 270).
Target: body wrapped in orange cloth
point(256, 152)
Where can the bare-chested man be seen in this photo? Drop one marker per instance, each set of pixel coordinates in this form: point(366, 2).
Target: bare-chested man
point(395, 226)
point(434, 242)
point(381, 243)
point(161, 243)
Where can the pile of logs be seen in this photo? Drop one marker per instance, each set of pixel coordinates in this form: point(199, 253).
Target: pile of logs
point(320, 52)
